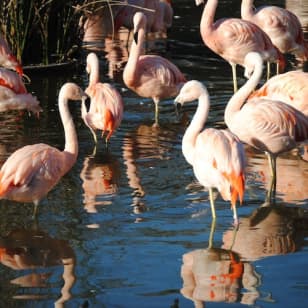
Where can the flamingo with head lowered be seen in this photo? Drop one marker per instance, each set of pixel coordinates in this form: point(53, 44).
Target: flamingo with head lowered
point(233, 38)
point(268, 125)
point(150, 76)
point(33, 170)
point(217, 156)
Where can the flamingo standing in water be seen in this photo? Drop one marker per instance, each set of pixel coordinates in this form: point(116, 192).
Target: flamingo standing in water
point(33, 170)
point(281, 25)
point(268, 125)
point(233, 38)
point(7, 59)
point(106, 109)
point(217, 156)
point(14, 95)
point(150, 75)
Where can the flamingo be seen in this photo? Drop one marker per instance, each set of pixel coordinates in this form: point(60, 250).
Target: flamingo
point(7, 59)
point(268, 125)
point(217, 156)
point(33, 170)
point(14, 95)
point(233, 38)
point(150, 75)
point(106, 109)
point(282, 26)
point(290, 87)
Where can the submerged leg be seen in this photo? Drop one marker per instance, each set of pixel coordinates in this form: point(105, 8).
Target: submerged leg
point(272, 165)
point(156, 112)
point(211, 237)
point(35, 210)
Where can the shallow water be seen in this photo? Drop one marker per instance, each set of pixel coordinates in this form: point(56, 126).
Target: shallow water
point(122, 221)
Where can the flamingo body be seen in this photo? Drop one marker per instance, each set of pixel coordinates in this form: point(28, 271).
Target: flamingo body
point(290, 88)
point(233, 38)
point(217, 156)
point(33, 170)
point(282, 26)
point(106, 109)
point(14, 95)
point(268, 125)
point(7, 59)
point(150, 76)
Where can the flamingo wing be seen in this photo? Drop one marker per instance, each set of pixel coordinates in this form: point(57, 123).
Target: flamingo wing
point(290, 88)
point(31, 168)
point(12, 81)
point(222, 165)
point(106, 109)
point(233, 38)
point(159, 68)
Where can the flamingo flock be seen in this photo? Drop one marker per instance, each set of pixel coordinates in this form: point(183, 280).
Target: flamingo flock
point(274, 116)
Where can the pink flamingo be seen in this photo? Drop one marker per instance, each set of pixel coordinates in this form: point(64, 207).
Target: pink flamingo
point(33, 170)
point(150, 75)
point(7, 59)
point(217, 156)
point(281, 25)
point(290, 88)
point(268, 125)
point(233, 38)
point(14, 95)
point(106, 109)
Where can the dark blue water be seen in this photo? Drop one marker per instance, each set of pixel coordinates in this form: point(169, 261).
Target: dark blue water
point(114, 231)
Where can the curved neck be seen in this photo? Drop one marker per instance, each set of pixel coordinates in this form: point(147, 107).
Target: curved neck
point(239, 98)
point(136, 50)
point(71, 142)
point(208, 15)
point(195, 127)
point(247, 9)
point(94, 72)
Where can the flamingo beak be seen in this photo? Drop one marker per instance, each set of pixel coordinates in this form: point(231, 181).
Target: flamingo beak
point(178, 106)
point(136, 37)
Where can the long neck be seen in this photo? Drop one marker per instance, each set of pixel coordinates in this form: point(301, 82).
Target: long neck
point(135, 52)
point(94, 72)
point(195, 127)
point(71, 142)
point(247, 9)
point(239, 98)
point(208, 15)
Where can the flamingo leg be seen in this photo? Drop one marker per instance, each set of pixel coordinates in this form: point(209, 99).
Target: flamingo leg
point(272, 164)
point(235, 217)
point(211, 237)
point(212, 202)
point(268, 74)
point(234, 77)
point(35, 210)
point(156, 113)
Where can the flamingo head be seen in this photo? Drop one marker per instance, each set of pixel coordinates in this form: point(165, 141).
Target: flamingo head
point(140, 21)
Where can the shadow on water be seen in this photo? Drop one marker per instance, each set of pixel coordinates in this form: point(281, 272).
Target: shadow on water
point(130, 226)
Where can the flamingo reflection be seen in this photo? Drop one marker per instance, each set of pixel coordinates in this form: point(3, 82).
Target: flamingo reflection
point(292, 173)
point(100, 176)
point(270, 230)
point(217, 275)
point(31, 249)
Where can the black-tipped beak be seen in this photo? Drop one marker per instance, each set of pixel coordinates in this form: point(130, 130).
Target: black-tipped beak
point(178, 108)
point(136, 37)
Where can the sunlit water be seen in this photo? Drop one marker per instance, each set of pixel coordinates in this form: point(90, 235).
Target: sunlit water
point(114, 231)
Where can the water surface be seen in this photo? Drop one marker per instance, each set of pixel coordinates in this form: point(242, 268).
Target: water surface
point(121, 227)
